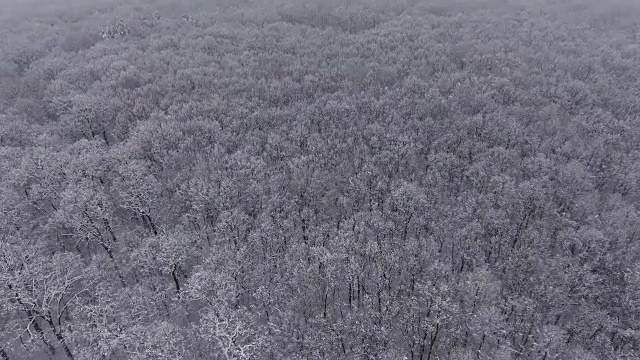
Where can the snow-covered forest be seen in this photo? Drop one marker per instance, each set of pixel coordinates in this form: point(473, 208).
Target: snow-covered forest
point(307, 179)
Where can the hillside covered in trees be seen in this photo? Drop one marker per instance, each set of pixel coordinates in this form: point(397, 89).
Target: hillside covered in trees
point(348, 179)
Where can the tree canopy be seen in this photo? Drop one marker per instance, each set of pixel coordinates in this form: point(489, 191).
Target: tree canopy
point(320, 180)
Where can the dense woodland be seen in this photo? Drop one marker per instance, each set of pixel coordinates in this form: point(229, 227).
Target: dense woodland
point(298, 179)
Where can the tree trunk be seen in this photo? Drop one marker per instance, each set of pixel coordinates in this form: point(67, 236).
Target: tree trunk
point(174, 275)
point(433, 341)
